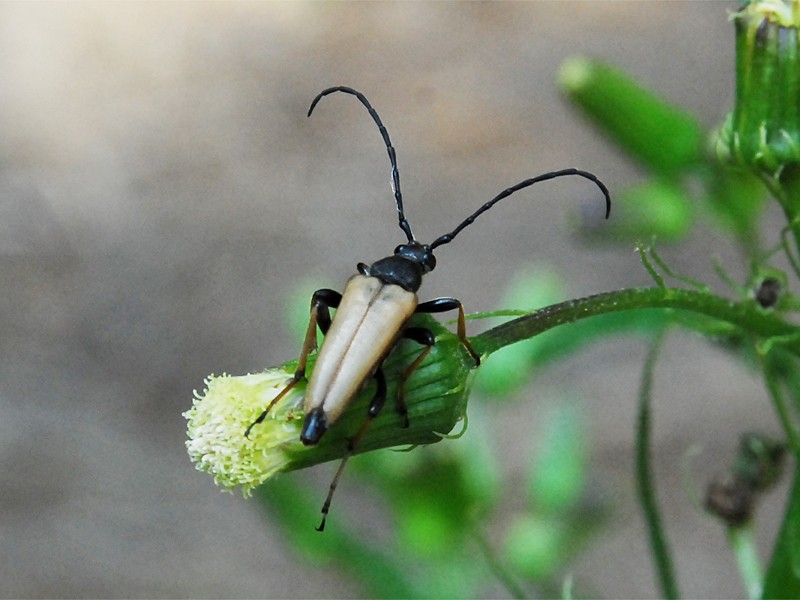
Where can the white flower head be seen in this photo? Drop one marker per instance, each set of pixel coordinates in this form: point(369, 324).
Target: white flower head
point(220, 416)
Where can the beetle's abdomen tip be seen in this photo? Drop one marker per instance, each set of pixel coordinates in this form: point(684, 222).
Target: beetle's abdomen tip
point(314, 426)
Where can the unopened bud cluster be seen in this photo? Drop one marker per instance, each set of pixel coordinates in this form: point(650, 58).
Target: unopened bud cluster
point(763, 132)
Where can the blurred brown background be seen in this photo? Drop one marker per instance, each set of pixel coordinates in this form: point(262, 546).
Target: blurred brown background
point(162, 197)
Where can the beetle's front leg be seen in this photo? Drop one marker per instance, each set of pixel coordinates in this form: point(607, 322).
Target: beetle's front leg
point(321, 303)
point(443, 305)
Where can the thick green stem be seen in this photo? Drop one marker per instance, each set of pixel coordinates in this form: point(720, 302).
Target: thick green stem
point(745, 315)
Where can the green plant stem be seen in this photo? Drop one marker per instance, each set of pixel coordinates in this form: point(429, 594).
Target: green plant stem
point(744, 549)
point(642, 250)
point(783, 573)
point(786, 190)
point(745, 315)
point(779, 401)
point(788, 194)
point(494, 563)
point(644, 479)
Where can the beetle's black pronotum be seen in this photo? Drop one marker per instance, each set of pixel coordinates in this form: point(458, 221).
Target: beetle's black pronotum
point(372, 315)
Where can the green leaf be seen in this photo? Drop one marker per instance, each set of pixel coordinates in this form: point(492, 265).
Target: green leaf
point(534, 546)
point(558, 472)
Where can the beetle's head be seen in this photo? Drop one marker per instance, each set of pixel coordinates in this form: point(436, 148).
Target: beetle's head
point(417, 253)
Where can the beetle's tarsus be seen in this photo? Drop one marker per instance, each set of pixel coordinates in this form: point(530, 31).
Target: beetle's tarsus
point(299, 375)
point(260, 419)
point(327, 505)
point(476, 357)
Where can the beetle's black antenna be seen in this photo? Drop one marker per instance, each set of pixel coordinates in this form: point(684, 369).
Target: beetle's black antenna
point(448, 237)
point(398, 195)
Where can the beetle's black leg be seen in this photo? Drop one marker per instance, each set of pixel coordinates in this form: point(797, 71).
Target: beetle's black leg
point(321, 302)
point(378, 399)
point(374, 409)
point(443, 305)
point(424, 336)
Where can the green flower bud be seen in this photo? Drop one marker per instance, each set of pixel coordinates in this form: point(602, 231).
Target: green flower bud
point(435, 394)
point(664, 138)
point(763, 132)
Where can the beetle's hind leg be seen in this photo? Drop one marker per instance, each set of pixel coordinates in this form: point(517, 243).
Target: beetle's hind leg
point(378, 400)
point(424, 336)
point(321, 303)
point(443, 305)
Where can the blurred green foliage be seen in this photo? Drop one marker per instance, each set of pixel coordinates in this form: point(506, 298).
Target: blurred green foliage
point(447, 532)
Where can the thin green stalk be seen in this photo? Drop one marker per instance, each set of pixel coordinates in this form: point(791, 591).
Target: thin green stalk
point(644, 479)
point(788, 194)
point(744, 549)
point(642, 250)
point(790, 254)
point(502, 574)
point(779, 401)
point(786, 190)
point(744, 314)
point(678, 277)
point(377, 571)
point(783, 574)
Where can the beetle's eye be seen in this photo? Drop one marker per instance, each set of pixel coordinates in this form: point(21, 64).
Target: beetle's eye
point(429, 260)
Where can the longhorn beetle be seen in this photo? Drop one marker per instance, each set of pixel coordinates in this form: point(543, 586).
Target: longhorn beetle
point(372, 315)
